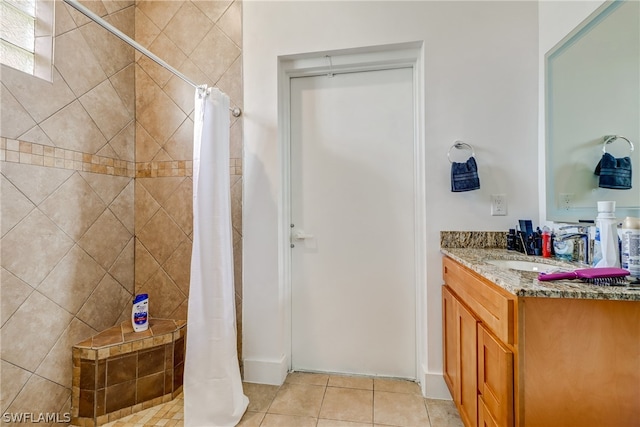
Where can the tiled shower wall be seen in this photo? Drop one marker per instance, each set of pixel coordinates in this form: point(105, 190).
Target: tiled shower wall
point(203, 40)
point(70, 153)
point(67, 206)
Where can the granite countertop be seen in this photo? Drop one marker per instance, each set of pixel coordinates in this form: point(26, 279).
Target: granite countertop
point(526, 284)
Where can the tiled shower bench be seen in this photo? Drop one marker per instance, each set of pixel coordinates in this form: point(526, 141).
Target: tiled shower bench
point(119, 372)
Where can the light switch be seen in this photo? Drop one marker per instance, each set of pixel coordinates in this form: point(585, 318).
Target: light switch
point(498, 204)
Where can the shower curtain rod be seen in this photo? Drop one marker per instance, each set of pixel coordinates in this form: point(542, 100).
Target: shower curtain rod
point(122, 36)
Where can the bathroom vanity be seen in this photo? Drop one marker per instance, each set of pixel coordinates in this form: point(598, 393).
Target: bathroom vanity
point(520, 352)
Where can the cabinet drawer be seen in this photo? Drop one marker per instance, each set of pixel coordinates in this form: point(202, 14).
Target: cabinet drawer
point(495, 377)
point(493, 306)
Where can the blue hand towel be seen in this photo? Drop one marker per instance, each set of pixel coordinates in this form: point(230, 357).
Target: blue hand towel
point(464, 176)
point(614, 172)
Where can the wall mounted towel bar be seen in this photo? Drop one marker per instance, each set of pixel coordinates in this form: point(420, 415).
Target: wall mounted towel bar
point(608, 139)
point(459, 145)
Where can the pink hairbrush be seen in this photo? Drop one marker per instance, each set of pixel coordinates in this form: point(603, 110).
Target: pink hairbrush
point(596, 276)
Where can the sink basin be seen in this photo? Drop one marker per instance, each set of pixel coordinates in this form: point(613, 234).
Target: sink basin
point(514, 264)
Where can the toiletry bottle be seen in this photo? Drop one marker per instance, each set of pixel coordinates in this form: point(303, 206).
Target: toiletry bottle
point(511, 239)
point(531, 245)
point(140, 313)
point(606, 252)
point(546, 242)
point(519, 242)
point(631, 245)
point(537, 246)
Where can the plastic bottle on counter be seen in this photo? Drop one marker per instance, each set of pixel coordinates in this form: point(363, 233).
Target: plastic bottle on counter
point(606, 249)
point(511, 239)
point(140, 313)
point(631, 245)
point(546, 242)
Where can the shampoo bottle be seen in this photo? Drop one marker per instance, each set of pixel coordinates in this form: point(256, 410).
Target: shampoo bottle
point(140, 313)
point(606, 251)
point(631, 245)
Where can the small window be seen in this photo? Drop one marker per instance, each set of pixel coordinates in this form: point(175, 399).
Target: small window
point(26, 36)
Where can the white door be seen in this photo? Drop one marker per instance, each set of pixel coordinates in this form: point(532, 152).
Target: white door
point(352, 207)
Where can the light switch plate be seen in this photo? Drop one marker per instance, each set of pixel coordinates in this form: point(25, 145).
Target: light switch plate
point(498, 204)
point(566, 201)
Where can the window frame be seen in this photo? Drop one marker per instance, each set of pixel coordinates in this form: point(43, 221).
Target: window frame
point(44, 22)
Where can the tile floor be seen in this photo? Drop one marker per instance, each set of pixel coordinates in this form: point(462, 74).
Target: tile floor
point(319, 400)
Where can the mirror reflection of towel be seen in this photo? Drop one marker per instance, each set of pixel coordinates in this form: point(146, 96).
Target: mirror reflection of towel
point(464, 176)
point(614, 172)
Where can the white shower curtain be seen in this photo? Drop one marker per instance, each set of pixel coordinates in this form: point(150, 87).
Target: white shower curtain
point(213, 393)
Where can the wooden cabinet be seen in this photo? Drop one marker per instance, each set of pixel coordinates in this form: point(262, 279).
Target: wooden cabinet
point(478, 367)
point(460, 365)
point(580, 363)
point(450, 341)
point(484, 416)
point(538, 361)
point(495, 377)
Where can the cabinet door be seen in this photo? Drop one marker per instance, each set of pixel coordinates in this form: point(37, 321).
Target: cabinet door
point(450, 345)
point(495, 378)
point(484, 416)
point(460, 356)
point(467, 325)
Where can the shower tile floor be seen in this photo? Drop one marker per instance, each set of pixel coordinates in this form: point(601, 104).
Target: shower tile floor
point(320, 400)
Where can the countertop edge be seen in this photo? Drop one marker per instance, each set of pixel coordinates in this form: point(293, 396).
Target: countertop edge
point(526, 284)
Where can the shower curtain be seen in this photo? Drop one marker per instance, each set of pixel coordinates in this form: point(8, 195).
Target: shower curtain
point(213, 393)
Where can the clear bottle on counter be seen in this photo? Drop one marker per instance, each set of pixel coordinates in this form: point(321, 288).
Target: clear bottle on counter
point(630, 255)
point(606, 249)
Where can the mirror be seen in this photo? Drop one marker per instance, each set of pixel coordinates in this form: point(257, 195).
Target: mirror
point(593, 91)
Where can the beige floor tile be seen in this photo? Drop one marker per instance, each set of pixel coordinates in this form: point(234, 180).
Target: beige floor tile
point(337, 423)
point(396, 386)
point(299, 403)
point(251, 419)
point(275, 420)
point(443, 413)
point(260, 396)
point(347, 404)
point(364, 383)
point(307, 378)
point(298, 399)
point(399, 409)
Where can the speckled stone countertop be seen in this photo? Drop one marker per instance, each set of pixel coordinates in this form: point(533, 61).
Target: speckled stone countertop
point(526, 284)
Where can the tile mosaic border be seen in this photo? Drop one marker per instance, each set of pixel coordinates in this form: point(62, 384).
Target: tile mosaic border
point(31, 153)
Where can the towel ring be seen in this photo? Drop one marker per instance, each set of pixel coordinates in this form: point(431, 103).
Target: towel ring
point(608, 139)
point(459, 145)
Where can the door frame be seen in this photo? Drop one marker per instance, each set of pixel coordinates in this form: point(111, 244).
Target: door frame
point(404, 55)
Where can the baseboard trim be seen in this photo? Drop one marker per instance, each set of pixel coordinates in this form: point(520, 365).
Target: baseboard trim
point(271, 372)
point(433, 386)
